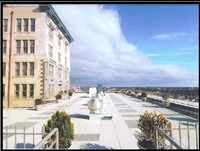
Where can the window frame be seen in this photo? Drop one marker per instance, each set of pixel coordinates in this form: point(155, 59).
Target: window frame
point(19, 24)
point(5, 25)
point(17, 93)
point(31, 91)
point(17, 70)
point(25, 24)
point(32, 24)
point(32, 46)
point(59, 57)
point(4, 69)
point(18, 47)
point(24, 70)
point(25, 46)
point(32, 68)
point(24, 91)
point(4, 46)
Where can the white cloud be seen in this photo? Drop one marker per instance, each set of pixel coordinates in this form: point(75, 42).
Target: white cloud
point(170, 36)
point(101, 54)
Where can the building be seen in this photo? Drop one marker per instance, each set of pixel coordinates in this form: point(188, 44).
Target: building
point(36, 54)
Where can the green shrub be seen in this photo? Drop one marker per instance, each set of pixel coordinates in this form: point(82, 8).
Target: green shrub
point(147, 123)
point(62, 121)
point(65, 91)
point(70, 93)
point(136, 92)
point(38, 101)
point(58, 96)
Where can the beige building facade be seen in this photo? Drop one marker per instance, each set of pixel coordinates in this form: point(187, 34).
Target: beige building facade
point(36, 54)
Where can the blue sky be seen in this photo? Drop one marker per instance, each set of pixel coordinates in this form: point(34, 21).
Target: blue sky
point(133, 44)
point(141, 22)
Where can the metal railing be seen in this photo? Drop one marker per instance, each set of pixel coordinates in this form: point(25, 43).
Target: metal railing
point(161, 136)
point(55, 142)
point(24, 133)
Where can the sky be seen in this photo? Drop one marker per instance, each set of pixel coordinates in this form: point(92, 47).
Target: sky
point(133, 45)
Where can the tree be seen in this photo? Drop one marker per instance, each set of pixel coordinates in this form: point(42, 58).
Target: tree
point(62, 121)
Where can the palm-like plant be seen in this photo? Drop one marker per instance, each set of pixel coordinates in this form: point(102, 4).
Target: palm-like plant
point(144, 96)
point(165, 97)
point(147, 123)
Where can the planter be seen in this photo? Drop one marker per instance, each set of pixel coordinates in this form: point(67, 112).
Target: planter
point(145, 99)
point(144, 144)
point(165, 103)
point(59, 101)
point(39, 107)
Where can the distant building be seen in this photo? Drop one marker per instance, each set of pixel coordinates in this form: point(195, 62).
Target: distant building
point(39, 63)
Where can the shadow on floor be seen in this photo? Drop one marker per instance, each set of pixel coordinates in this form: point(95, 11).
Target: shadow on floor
point(84, 97)
point(81, 116)
point(93, 146)
point(31, 109)
point(27, 145)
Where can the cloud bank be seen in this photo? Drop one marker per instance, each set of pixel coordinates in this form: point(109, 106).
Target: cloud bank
point(101, 54)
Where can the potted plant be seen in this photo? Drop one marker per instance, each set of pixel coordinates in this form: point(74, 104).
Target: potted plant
point(144, 96)
point(58, 97)
point(165, 97)
point(70, 93)
point(65, 94)
point(147, 123)
point(38, 104)
point(136, 93)
point(62, 121)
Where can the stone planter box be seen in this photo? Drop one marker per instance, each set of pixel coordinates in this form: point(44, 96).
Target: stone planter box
point(39, 107)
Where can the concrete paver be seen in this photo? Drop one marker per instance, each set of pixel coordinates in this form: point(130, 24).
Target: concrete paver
point(118, 132)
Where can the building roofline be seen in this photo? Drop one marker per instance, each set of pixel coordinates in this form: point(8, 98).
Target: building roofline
point(50, 13)
point(53, 15)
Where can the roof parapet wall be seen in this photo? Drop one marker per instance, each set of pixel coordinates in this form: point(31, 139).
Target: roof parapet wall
point(53, 15)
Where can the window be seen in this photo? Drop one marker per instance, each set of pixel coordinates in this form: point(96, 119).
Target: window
point(65, 75)
point(17, 69)
point(59, 57)
point(16, 90)
point(31, 90)
point(19, 24)
point(4, 46)
point(50, 90)
point(65, 48)
point(65, 61)
point(51, 71)
point(24, 90)
point(60, 73)
point(18, 46)
point(25, 46)
point(24, 68)
point(59, 41)
point(32, 24)
point(3, 90)
point(51, 32)
point(32, 46)
point(31, 68)
point(25, 24)
point(5, 25)
point(50, 51)
point(4, 69)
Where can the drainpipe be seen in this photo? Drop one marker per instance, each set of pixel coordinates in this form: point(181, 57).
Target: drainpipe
point(9, 69)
